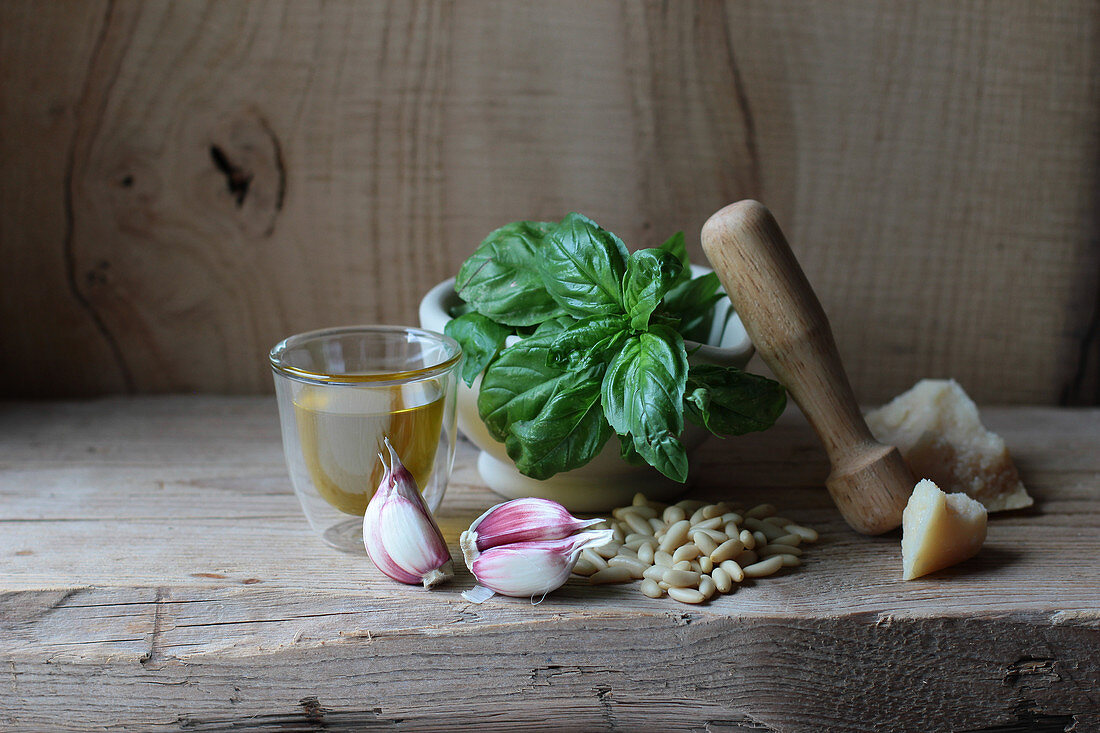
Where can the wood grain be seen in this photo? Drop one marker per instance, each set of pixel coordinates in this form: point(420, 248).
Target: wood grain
point(186, 183)
point(158, 575)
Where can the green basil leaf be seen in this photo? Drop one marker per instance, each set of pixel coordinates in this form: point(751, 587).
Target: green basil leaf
point(643, 395)
point(501, 278)
point(582, 267)
point(629, 453)
point(459, 310)
point(650, 273)
point(587, 341)
point(693, 303)
point(728, 401)
point(480, 338)
point(676, 247)
point(566, 433)
point(521, 379)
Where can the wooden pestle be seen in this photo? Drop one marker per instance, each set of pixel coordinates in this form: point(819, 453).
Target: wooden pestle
point(869, 482)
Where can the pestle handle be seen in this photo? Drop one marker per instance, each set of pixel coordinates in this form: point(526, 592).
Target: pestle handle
point(869, 482)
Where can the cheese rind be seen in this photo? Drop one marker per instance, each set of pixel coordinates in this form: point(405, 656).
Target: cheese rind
point(939, 530)
point(937, 428)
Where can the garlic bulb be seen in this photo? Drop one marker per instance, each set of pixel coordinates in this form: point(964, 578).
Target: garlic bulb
point(401, 537)
point(521, 520)
point(531, 568)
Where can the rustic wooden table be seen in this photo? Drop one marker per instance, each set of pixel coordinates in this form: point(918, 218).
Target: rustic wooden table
point(158, 574)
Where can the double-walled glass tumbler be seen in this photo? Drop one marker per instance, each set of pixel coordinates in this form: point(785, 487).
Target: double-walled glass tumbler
point(341, 391)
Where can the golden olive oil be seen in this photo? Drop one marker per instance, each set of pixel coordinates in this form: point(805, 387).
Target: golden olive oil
point(341, 431)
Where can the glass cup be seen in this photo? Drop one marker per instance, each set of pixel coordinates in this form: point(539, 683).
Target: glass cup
point(340, 392)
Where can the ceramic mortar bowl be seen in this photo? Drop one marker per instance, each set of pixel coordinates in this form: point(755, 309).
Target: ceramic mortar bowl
point(607, 481)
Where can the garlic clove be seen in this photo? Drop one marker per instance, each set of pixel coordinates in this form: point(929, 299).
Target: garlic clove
point(532, 568)
point(522, 520)
point(401, 537)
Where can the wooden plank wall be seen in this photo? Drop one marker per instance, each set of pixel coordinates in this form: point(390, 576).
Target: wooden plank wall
point(183, 183)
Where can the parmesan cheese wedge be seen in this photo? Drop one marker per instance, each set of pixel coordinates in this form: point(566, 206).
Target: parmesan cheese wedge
point(937, 428)
point(939, 530)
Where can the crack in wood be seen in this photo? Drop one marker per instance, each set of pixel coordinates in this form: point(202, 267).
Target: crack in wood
point(755, 176)
point(1088, 360)
point(237, 179)
point(153, 653)
point(603, 694)
point(1030, 672)
point(312, 717)
point(68, 245)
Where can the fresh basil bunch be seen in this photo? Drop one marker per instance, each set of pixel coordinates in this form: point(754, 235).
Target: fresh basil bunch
point(602, 348)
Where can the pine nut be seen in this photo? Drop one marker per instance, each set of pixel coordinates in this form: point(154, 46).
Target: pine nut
point(698, 515)
point(777, 549)
point(733, 570)
point(611, 575)
point(635, 566)
point(686, 552)
point(727, 550)
point(747, 539)
point(722, 581)
point(638, 524)
point(760, 511)
point(645, 512)
point(731, 529)
point(591, 556)
point(677, 535)
point(705, 564)
point(764, 567)
point(636, 537)
point(611, 549)
point(682, 565)
point(640, 500)
point(780, 522)
point(645, 553)
point(770, 530)
point(748, 557)
point(663, 585)
point(712, 511)
point(681, 578)
point(651, 589)
point(618, 534)
point(674, 514)
point(654, 572)
point(707, 586)
point(805, 533)
point(656, 524)
point(660, 557)
point(789, 539)
point(626, 551)
point(761, 539)
point(690, 505)
point(583, 567)
point(712, 523)
point(705, 544)
point(732, 517)
point(790, 561)
point(686, 595)
point(716, 535)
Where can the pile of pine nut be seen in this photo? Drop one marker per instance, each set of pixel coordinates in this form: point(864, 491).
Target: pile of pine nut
point(691, 549)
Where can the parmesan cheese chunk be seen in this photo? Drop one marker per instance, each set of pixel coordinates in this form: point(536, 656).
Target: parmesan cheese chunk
point(937, 428)
point(939, 530)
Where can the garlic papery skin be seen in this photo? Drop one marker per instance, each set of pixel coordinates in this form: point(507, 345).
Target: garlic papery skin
point(521, 520)
point(535, 568)
point(401, 537)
